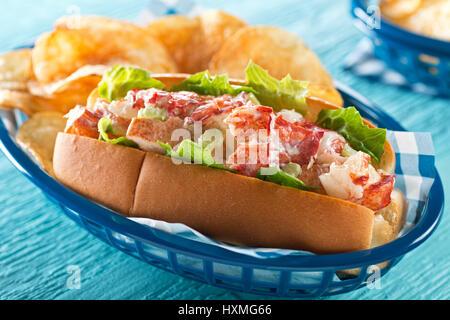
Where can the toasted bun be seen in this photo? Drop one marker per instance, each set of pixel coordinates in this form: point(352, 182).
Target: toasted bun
point(220, 204)
point(386, 226)
point(106, 173)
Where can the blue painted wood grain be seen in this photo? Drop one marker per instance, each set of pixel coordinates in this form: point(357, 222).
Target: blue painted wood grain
point(38, 243)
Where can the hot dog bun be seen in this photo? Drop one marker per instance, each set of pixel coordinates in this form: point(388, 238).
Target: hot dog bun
point(106, 173)
point(220, 204)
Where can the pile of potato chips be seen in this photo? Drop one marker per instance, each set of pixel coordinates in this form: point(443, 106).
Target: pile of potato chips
point(66, 64)
point(428, 17)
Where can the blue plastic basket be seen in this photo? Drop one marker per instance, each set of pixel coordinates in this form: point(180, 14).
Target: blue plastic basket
point(218, 266)
point(421, 60)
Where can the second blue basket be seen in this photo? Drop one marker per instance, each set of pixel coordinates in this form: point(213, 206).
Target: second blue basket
point(423, 61)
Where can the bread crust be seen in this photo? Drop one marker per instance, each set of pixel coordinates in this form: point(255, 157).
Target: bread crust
point(248, 211)
point(100, 171)
point(220, 204)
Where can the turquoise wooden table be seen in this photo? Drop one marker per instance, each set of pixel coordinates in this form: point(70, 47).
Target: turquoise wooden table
point(40, 248)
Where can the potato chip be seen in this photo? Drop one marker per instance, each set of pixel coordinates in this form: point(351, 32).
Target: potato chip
point(182, 36)
point(67, 93)
point(78, 78)
point(397, 9)
point(278, 51)
point(24, 101)
point(121, 41)
point(57, 54)
point(217, 27)
point(92, 99)
point(193, 41)
point(90, 40)
point(37, 136)
point(325, 93)
point(430, 18)
point(74, 94)
point(15, 69)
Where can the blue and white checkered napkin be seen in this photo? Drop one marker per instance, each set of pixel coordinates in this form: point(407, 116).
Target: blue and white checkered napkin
point(362, 62)
point(415, 173)
point(415, 170)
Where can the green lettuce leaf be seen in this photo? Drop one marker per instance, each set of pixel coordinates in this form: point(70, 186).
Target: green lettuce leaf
point(119, 80)
point(203, 83)
point(194, 153)
point(262, 88)
point(278, 176)
point(153, 113)
point(167, 147)
point(105, 126)
point(349, 124)
point(278, 94)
